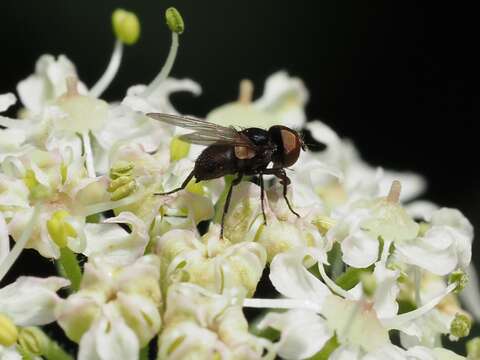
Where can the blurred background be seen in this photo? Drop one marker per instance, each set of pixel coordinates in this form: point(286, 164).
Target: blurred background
point(398, 78)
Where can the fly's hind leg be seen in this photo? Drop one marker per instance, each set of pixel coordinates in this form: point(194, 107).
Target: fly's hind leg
point(183, 186)
point(235, 182)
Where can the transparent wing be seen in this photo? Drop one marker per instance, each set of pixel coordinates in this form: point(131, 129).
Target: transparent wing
point(205, 133)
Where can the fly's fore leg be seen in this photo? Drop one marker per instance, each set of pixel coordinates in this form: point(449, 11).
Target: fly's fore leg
point(183, 186)
point(285, 181)
point(262, 199)
point(235, 182)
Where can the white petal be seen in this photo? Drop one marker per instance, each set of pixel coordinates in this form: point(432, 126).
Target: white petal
point(359, 249)
point(9, 353)
point(435, 252)
point(7, 100)
point(113, 243)
point(31, 301)
point(109, 339)
point(421, 209)
point(385, 303)
point(4, 240)
point(471, 294)
point(390, 352)
point(304, 333)
point(286, 96)
point(290, 277)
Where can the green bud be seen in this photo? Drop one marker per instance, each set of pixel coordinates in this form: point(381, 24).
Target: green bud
point(178, 149)
point(460, 326)
point(369, 283)
point(423, 228)
point(8, 331)
point(460, 278)
point(174, 20)
point(126, 26)
point(59, 230)
point(121, 168)
point(124, 191)
point(473, 349)
point(33, 340)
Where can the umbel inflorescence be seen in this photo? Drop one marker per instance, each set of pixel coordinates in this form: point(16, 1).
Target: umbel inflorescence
point(364, 263)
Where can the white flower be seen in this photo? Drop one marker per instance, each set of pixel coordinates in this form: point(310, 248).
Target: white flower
point(203, 325)
point(210, 262)
point(47, 83)
point(357, 174)
point(125, 299)
point(356, 320)
point(446, 245)
point(282, 103)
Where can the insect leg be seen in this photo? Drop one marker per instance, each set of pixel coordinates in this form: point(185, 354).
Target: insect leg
point(235, 182)
point(285, 181)
point(183, 186)
point(262, 198)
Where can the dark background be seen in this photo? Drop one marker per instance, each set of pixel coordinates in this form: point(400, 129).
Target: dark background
point(396, 77)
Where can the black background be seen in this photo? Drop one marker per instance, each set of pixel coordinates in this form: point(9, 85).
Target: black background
point(396, 77)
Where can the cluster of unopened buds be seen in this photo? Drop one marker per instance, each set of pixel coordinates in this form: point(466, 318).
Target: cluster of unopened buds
point(364, 272)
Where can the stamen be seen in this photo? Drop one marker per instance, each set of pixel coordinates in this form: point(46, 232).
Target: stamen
point(175, 23)
point(246, 92)
point(394, 193)
point(330, 283)
point(127, 31)
point(110, 72)
point(417, 276)
point(280, 304)
point(20, 244)
point(88, 154)
point(401, 320)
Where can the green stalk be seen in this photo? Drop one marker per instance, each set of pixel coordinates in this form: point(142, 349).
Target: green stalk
point(68, 267)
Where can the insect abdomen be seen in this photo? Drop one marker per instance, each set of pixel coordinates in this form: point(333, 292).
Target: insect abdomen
point(214, 162)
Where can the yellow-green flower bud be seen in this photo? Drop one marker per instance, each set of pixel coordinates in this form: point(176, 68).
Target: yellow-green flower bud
point(124, 190)
point(174, 20)
point(369, 283)
point(178, 149)
point(126, 26)
point(460, 326)
point(473, 349)
point(59, 230)
point(121, 168)
point(324, 223)
point(8, 331)
point(460, 278)
point(33, 340)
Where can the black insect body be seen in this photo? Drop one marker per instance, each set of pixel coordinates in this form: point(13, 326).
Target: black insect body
point(245, 152)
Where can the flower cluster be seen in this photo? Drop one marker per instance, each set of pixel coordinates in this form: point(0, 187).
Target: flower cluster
point(81, 176)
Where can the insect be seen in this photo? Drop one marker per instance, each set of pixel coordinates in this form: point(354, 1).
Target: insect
point(244, 152)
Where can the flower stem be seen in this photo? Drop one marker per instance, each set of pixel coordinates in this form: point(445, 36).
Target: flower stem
point(167, 67)
point(68, 266)
point(88, 154)
point(20, 244)
point(110, 72)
